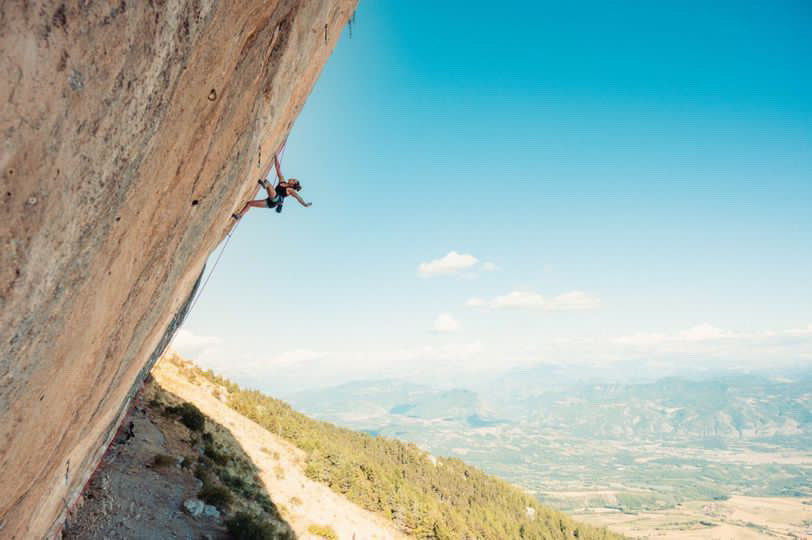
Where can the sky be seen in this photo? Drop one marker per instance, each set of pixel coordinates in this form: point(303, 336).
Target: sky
point(578, 183)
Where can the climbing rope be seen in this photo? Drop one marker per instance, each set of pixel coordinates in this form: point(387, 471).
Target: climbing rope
point(280, 154)
point(213, 268)
point(199, 293)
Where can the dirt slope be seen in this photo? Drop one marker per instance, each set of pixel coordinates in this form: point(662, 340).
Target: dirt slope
point(280, 466)
point(129, 132)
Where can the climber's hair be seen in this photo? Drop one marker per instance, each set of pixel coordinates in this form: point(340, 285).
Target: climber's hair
point(295, 184)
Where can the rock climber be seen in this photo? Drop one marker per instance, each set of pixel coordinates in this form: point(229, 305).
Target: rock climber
point(276, 195)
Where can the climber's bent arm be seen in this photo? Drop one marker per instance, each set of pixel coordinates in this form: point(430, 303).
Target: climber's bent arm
point(292, 192)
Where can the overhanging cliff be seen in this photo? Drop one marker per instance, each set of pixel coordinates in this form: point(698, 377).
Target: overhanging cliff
point(130, 132)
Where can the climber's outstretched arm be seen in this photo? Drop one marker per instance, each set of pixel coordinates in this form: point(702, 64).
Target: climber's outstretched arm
point(295, 195)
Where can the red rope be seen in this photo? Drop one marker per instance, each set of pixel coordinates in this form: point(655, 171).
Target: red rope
point(70, 511)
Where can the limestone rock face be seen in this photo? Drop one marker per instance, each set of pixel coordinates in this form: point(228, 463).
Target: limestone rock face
point(129, 132)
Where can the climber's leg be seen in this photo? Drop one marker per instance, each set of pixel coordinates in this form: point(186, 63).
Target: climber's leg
point(260, 203)
point(268, 187)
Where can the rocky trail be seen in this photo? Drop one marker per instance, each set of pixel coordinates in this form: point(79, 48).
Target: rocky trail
point(149, 482)
point(133, 494)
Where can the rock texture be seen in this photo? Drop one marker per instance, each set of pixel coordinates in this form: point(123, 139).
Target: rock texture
point(130, 131)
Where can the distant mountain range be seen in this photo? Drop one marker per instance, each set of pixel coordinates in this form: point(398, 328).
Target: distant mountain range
point(731, 407)
point(743, 407)
point(655, 443)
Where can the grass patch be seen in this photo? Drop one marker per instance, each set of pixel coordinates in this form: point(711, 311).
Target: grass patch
point(232, 481)
point(218, 457)
point(265, 502)
point(218, 496)
point(189, 415)
point(279, 472)
point(203, 469)
point(324, 531)
point(162, 460)
point(245, 526)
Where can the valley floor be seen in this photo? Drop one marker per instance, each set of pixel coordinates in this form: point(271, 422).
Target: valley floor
point(738, 518)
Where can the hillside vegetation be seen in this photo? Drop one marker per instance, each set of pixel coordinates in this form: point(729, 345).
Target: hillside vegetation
point(424, 496)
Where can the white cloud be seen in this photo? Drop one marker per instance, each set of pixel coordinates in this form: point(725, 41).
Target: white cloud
point(799, 331)
point(445, 323)
point(451, 264)
point(643, 354)
point(518, 299)
point(570, 301)
point(489, 267)
point(297, 356)
point(455, 351)
point(704, 332)
point(690, 350)
point(427, 353)
point(574, 301)
point(708, 341)
point(418, 362)
point(640, 339)
point(699, 333)
point(191, 345)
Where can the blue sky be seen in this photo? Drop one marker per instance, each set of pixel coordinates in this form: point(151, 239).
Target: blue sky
point(632, 180)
